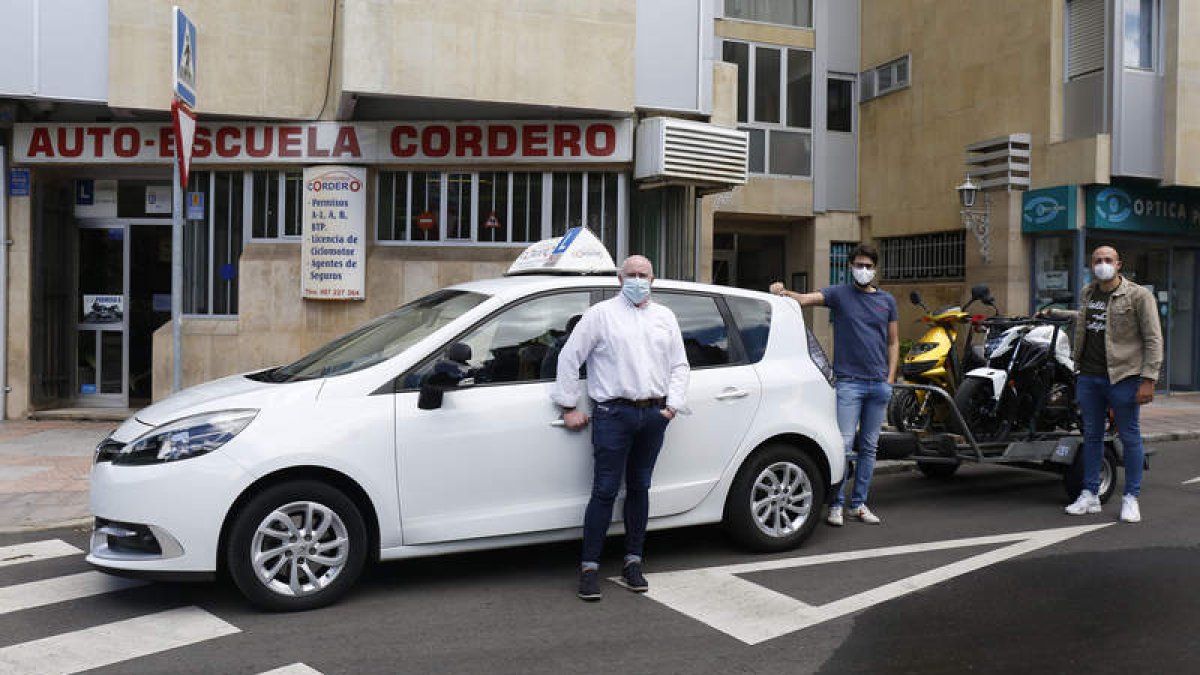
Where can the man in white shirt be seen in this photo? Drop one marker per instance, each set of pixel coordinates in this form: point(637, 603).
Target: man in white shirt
point(637, 377)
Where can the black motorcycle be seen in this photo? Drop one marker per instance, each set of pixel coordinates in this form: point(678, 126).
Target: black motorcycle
point(1027, 386)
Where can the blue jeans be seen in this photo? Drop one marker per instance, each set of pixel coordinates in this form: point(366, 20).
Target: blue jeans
point(625, 442)
point(861, 407)
point(1096, 395)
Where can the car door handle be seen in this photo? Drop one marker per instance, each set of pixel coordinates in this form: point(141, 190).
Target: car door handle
point(560, 422)
point(732, 394)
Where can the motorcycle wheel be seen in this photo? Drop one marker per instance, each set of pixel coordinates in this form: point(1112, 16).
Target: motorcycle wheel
point(904, 411)
point(974, 401)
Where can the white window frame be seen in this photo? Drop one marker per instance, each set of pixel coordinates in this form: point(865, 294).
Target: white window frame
point(869, 79)
point(211, 222)
point(782, 126)
point(545, 226)
point(248, 237)
point(1155, 37)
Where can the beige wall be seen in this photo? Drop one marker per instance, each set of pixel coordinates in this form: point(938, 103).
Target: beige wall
point(980, 69)
point(20, 298)
point(276, 326)
point(570, 53)
point(763, 32)
point(1181, 128)
point(266, 58)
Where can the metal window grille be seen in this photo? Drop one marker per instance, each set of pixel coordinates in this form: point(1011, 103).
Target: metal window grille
point(839, 261)
point(937, 256)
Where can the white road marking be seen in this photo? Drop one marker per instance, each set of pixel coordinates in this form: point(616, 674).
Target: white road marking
point(752, 613)
point(34, 551)
point(1194, 480)
point(113, 642)
point(293, 669)
point(61, 589)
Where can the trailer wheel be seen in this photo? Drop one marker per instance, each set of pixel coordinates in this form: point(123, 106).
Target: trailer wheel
point(1073, 478)
point(937, 470)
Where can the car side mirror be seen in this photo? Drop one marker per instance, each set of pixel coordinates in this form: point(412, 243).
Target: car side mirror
point(450, 372)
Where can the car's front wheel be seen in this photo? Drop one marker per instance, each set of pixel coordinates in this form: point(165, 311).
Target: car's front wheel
point(775, 500)
point(296, 546)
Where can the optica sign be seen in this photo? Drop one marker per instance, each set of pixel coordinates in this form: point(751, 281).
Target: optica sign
point(556, 141)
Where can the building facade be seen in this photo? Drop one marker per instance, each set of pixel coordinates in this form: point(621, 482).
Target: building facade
point(467, 131)
point(1079, 119)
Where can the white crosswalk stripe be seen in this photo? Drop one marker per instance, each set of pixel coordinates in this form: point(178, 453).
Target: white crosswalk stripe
point(35, 551)
point(293, 669)
point(60, 589)
point(113, 642)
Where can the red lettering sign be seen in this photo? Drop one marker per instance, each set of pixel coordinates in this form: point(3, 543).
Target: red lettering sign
point(268, 142)
point(202, 143)
point(65, 150)
point(442, 134)
point(467, 140)
point(601, 140)
point(227, 138)
point(126, 141)
point(533, 140)
point(502, 140)
point(98, 134)
point(566, 140)
point(403, 150)
point(313, 150)
point(346, 143)
point(39, 143)
point(289, 142)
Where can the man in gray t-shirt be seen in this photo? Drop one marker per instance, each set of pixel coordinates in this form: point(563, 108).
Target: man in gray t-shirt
point(866, 352)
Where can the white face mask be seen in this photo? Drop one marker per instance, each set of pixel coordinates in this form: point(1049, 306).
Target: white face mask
point(862, 276)
point(1104, 271)
point(636, 289)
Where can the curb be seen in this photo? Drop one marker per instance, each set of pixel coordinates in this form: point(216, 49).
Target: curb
point(58, 524)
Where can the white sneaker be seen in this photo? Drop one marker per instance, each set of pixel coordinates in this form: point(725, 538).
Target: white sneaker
point(835, 516)
point(1085, 503)
point(1130, 512)
point(864, 514)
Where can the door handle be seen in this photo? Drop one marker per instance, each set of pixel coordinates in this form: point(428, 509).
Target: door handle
point(560, 422)
point(732, 394)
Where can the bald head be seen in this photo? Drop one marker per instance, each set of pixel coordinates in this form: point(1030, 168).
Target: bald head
point(637, 266)
point(1106, 254)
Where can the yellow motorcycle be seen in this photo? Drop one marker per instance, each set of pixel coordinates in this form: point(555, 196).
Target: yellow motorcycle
point(935, 360)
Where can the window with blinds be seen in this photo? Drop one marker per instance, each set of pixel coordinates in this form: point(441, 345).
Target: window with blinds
point(1085, 37)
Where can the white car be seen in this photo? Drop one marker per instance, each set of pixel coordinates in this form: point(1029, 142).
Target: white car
point(430, 430)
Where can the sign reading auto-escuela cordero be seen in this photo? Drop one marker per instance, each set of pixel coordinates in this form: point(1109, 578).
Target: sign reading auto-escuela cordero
point(562, 141)
point(335, 227)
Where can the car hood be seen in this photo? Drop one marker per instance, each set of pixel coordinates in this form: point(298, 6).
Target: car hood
point(235, 391)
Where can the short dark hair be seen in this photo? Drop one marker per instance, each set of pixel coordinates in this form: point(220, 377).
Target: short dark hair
point(865, 250)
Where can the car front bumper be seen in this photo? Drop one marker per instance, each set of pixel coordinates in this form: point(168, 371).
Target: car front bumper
point(164, 517)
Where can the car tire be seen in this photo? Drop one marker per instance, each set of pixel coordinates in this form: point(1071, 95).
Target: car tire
point(937, 470)
point(321, 521)
point(775, 500)
point(1073, 478)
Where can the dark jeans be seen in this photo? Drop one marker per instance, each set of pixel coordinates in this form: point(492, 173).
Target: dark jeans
point(625, 441)
point(1096, 395)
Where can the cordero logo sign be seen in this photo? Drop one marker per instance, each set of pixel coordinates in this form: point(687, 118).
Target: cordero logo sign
point(334, 180)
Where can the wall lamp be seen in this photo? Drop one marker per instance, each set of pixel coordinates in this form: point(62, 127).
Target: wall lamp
point(976, 219)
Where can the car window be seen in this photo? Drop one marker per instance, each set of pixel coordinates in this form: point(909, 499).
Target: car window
point(705, 336)
point(521, 343)
point(379, 339)
point(753, 319)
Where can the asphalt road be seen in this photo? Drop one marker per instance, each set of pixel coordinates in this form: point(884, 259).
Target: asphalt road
point(982, 573)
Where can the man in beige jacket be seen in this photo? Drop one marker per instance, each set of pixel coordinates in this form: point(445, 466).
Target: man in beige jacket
point(1118, 351)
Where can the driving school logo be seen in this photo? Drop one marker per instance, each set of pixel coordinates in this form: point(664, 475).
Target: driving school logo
point(334, 180)
point(1113, 205)
point(1042, 210)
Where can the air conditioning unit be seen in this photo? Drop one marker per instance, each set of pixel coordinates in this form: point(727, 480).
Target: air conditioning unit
point(680, 152)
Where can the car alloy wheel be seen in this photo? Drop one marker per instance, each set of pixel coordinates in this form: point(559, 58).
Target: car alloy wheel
point(296, 546)
point(300, 548)
point(781, 500)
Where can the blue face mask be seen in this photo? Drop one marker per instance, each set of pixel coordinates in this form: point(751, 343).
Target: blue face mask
point(636, 289)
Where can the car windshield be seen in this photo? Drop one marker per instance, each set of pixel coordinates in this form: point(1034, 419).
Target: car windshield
point(380, 339)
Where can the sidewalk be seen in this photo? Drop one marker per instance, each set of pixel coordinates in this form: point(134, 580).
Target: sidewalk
point(44, 465)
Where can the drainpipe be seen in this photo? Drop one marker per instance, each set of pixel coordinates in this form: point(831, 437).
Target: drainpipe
point(3, 282)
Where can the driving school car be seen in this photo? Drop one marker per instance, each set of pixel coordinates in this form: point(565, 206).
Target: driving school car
point(430, 430)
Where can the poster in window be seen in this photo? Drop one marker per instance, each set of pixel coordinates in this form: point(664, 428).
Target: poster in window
point(335, 225)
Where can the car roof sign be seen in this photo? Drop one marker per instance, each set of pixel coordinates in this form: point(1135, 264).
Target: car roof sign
point(578, 251)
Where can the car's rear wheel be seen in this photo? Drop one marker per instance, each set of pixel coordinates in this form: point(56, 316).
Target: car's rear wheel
point(297, 546)
point(775, 500)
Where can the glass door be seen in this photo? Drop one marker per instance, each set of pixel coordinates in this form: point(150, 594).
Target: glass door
point(101, 353)
point(1181, 340)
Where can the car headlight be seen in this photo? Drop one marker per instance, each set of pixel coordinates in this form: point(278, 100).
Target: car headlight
point(184, 438)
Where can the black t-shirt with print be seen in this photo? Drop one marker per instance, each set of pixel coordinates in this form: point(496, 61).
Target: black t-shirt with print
point(1094, 360)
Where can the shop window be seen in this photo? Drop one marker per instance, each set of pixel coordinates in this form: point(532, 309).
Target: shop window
point(787, 12)
point(497, 207)
point(213, 244)
point(774, 105)
point(938, 256)
point(268, 190)
point(144, 199)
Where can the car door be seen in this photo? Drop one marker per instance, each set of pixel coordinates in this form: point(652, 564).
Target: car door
point(494, 459)
point(723, 396)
